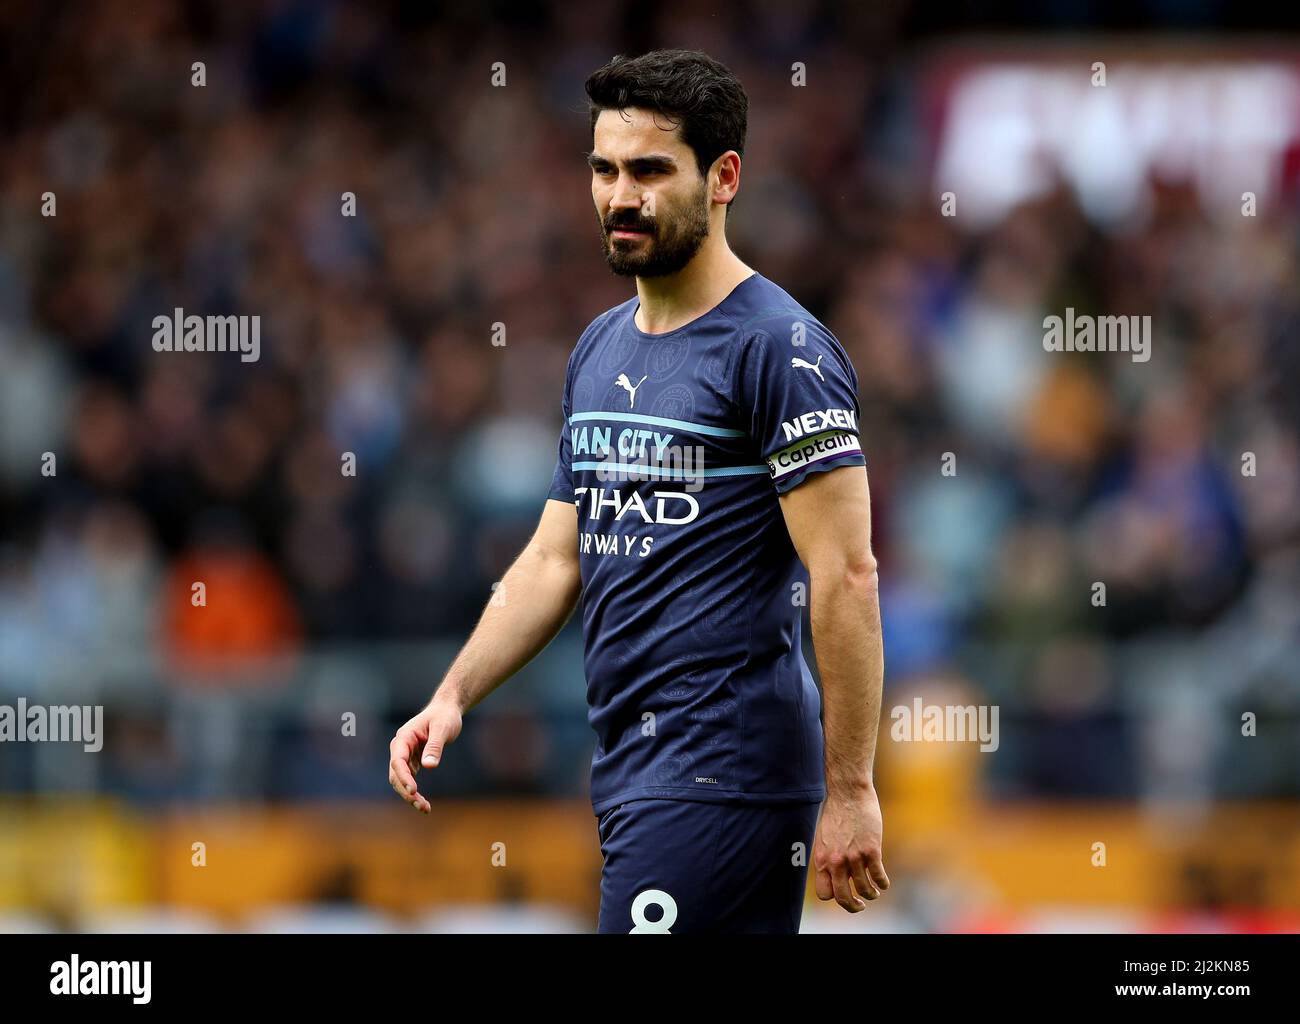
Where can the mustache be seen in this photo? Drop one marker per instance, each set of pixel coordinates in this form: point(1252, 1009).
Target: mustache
point(630, 225)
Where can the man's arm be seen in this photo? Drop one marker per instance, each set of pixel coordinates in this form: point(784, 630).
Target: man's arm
point(829, 519)
point(532, 603)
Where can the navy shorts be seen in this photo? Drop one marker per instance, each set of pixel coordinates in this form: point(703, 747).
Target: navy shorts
point(682, 866)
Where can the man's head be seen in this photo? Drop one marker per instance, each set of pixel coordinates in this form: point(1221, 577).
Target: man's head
point(668, 132)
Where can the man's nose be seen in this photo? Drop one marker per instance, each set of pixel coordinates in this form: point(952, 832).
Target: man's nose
point(627, 194)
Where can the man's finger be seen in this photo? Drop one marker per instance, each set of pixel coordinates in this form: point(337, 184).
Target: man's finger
point(876, 868)
point(414, 799)
point(434, 743)
point(844, 895)
point(866, 888)
point(411, 796)
point(401, 748)
point(825, 890)
point(402, 770)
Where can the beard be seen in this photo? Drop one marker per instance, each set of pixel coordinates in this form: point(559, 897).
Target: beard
point(670, 243)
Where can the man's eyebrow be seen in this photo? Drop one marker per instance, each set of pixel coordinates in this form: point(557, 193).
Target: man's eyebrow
point(653, 162)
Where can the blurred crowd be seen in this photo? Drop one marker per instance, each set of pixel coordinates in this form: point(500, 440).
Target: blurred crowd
point(1007, 481)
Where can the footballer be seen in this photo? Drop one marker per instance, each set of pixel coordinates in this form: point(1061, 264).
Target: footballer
point(710, 482)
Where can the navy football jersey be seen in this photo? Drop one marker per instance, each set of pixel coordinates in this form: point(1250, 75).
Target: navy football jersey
point(674, 449)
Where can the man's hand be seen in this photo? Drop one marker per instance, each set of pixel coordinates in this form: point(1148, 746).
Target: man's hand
point(420, 742)
point(537, 595)
point(847, 849)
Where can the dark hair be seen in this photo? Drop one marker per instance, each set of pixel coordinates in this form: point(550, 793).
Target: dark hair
point(690, 87)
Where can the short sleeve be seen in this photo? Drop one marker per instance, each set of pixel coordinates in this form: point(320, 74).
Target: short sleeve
point(562, 479)
point(803, 403)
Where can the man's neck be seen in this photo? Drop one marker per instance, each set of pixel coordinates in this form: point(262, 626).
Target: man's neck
point(674, 300)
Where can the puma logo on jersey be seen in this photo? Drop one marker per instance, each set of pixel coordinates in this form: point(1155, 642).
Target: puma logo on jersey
point(803, 364)
point(629, 387)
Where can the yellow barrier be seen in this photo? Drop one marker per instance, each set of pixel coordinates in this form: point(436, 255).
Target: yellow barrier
point(69, 859)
